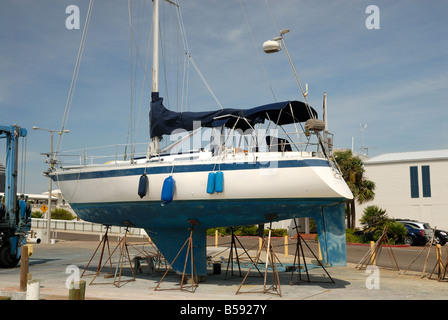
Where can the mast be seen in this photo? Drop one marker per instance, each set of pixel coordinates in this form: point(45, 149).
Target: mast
point(155, 56)
point(155, 143)
point(325, 112)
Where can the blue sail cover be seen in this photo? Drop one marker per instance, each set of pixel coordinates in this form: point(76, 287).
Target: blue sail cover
point(163, 121)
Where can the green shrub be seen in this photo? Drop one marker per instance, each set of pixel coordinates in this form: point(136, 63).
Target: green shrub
point(37, 214)
point(276, 232)
point(57, 214)
point(374, 220)
point(61, 214)
point(351, 237)
point(250, 230)
point(222, 231)
point(396, 232)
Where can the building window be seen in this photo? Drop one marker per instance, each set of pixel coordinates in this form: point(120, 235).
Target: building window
point(426, 182)
point(414, 182)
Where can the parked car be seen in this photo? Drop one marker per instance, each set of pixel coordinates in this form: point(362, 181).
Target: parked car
point(440, 237)
point(415, 236)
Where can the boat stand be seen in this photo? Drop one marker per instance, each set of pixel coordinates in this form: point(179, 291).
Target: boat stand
point(270, 260)
point(124, 253)
point(194, 277)
point(299, 253)
point(372, 255)
point(439, 262)
point(440, 265)
point(443, 267)
point(104, 241)
point(230, 260)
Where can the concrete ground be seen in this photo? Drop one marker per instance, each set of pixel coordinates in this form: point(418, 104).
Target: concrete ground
point(55, 265)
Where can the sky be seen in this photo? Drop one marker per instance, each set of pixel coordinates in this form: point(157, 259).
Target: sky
point(392, 79)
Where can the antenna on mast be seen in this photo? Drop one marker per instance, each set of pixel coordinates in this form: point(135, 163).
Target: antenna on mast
point(363, 128)
point(364, 149)
point(272, 46)
point(325, 112)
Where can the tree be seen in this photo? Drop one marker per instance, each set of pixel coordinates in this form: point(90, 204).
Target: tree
point(352, 169)
point(374, 219)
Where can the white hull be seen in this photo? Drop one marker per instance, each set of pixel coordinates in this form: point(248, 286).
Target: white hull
point(274, 180)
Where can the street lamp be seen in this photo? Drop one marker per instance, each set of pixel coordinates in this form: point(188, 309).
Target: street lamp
point(51, 163)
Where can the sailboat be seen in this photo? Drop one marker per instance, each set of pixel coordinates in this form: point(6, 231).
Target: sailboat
point(264, 179)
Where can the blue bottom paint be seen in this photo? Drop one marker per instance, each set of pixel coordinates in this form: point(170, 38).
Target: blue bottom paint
point(330, 225)
point(168, 225)
point(170, 242)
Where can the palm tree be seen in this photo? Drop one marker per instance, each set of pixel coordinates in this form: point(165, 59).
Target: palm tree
point(352, 170)
point(373, 218)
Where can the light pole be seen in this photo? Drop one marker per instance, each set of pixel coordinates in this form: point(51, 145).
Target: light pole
point(51, 163)
point(272, 46)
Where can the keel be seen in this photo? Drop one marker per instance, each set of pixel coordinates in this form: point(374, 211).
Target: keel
point(173, 244)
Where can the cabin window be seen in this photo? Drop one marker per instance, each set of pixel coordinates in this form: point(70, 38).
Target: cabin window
point(426, 182)
point(414, 182)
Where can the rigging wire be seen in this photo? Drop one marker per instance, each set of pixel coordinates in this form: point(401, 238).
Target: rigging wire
point(74, 77)
point(190, 58)
point(258, 51)
point(272, 16)
point(308, 108)
point(290, 61)
point(136, 41)
point(130, 128)
point(147, 81)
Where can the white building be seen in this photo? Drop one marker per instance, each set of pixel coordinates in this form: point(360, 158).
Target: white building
point(38, 200)
point(410, 185)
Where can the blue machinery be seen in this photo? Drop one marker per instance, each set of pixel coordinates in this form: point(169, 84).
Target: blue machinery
point(15, 214)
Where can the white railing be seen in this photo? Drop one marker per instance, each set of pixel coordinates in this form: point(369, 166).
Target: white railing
point(82, 226)
point(101, 154)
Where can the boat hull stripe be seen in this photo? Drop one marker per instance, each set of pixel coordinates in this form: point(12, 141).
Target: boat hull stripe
point(151, 169)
